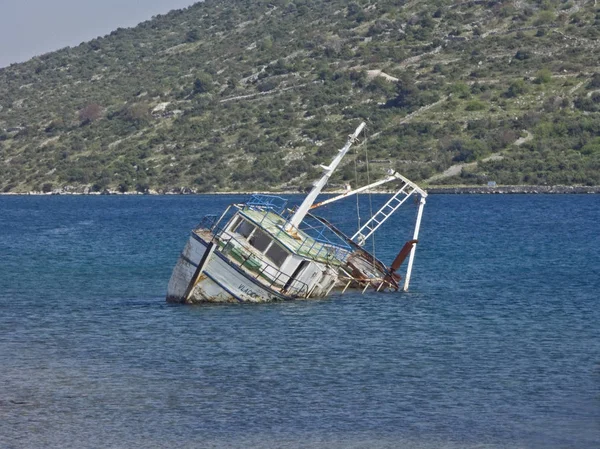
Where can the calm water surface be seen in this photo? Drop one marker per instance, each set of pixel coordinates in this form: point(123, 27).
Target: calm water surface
point(496, 346)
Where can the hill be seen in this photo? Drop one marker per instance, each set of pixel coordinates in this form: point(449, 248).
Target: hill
point(235, 95)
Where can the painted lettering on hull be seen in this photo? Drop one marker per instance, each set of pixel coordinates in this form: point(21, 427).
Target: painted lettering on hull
point(249, 292)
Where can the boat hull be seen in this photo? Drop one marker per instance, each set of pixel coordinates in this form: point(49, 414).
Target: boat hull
point(203, 274)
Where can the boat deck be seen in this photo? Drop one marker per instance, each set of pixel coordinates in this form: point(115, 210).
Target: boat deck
point(297, 242)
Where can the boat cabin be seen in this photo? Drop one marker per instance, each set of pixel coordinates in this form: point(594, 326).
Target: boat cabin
point(294, 262)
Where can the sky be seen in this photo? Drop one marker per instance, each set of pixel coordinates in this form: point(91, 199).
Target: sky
point(33, 27)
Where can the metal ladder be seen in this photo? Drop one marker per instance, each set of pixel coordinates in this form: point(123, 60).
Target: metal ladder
point(383, 214)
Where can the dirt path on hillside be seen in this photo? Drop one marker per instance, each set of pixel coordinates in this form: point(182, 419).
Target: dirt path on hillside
point(455, 169)
point(521, 140)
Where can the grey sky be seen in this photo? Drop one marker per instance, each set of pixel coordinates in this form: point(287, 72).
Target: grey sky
point(33, 27)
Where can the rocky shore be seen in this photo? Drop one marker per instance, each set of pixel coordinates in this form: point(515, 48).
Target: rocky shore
point(514, 189)
point(462, 190)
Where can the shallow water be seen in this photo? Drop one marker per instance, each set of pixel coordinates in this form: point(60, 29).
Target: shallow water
point(496, 345)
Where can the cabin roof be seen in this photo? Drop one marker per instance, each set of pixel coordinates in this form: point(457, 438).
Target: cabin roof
point(300, 243)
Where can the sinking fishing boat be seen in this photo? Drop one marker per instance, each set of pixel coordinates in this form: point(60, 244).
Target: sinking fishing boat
point(260, 251)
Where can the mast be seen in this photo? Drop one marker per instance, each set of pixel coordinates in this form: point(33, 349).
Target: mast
point(414, 247)
point(318, 186)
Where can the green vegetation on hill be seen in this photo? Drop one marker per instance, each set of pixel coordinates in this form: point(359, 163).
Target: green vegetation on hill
point(236, 95)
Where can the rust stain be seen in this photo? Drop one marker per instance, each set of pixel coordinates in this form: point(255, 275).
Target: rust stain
point(294, 234)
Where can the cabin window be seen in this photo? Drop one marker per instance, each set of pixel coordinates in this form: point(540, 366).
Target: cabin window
point(234, 223)
point(277, 254)
point(260, 240)
point(245, 228)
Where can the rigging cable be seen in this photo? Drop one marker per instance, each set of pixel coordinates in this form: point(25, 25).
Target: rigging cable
point(370, 195)
point(356, 185)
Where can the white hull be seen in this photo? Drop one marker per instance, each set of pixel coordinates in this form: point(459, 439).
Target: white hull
point(216, 281)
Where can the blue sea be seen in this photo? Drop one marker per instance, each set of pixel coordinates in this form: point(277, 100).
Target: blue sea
point(496, 345)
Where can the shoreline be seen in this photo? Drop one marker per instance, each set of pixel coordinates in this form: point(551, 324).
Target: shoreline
point(515, 190)
point(433, 190)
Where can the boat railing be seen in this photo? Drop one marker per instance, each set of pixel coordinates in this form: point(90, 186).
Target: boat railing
point(267, 202)
point(322, 244)
point(213, 222)
point(208, 222)
point(315, 244)
point(266, 217)
point(246, 259)
point(317, 249)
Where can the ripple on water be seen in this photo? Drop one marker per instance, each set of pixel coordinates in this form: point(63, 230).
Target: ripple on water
point(496, 346)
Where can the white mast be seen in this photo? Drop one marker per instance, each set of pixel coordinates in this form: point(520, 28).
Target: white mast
point(411, 259)
point(318, 186)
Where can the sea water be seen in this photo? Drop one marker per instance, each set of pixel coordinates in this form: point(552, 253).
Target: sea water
point(497, 344)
